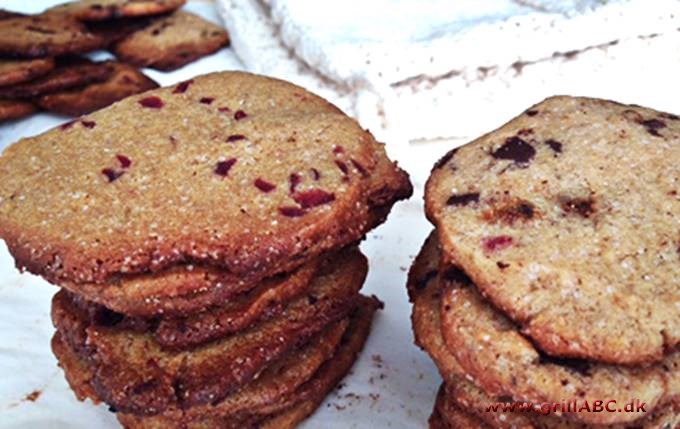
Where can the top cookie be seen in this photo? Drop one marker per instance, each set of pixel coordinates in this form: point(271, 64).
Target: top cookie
point(566, 218)
point(99, 10)
point(171, 42)
point(248, 173)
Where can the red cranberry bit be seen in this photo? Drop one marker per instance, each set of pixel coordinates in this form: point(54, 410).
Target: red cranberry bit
point(223, 109)
point(500, 242)
point(342, 166)
point(295, 180)
point(182, 87)
point(112, 174)
point(240, 114)
point(88, 124)
point(360, 168)
point(152, 102)
point(235, 138)
point(338, 149)
point(125, 162)
point(206, 100)
point(222, 168)
point(67, 125)
point(291, 211)
point(313, 198)
point(316, 175)
point(264, 186)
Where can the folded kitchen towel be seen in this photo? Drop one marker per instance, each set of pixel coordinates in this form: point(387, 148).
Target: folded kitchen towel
point(440, 68)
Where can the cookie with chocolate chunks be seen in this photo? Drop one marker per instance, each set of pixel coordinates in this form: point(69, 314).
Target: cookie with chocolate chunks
point(99, 10)
point(17, 71)
point(15, 109)
point(566, 219)
point(69, 72)
point(123, 81)
point(45, 35)
point(469, 340)
point(246, 174)
point(171, 42)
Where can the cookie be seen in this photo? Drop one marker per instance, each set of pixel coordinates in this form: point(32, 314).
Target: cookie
point(288, 390)
point(114, 30)
point(17, 71)
point(467, 339)
point(99, 10)
point(15, 109)
point(171, 42)
point(123, 81)
point(265, 179)
point(503, 362)
point(45, 35)
point(566, 219)
point(188, 378)
point(69, 72)
point(4, 14)
point(449, 415)
point(469, 397)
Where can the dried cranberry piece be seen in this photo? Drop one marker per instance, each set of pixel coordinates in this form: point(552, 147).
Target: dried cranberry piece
point(182, 87)
point(532, 112)
point(112, 174)
point(362, 170)
point(206, 100)
point(515, 149)
point(223, 109)
point(291, 211)
point(240, 114)
point(222, 168)
point(235, 138)
point(313, 198)
point(295, 180)
point(125, 162)
point(316, 175)
point(88, 124)
point(67, 125)
point(151, 102)
point(500, 242)
point(342, 166)
point(338, 149)
point(264, 186)
point(463, 199)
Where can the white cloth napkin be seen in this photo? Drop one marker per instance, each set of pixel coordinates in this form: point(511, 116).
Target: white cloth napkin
point(439, 68)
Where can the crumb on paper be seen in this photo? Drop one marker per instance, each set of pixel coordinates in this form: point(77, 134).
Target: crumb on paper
point(33, 396)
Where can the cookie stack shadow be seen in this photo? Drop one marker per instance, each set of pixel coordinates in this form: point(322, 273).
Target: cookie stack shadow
point(238, 304)
point(521, 337)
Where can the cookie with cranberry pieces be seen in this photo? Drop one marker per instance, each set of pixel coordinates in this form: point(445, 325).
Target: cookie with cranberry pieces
point(171, 42)
point(250, 175)
point(566, 219)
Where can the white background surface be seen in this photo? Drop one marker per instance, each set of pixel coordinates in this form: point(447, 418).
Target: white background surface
point(391, 386)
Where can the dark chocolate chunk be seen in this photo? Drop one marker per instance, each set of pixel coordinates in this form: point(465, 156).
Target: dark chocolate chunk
point(515, 149)
point(463, 199)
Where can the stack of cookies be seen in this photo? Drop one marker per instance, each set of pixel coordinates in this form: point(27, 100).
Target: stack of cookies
point(205, 239)
point(549, 294)
point(40, 66)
